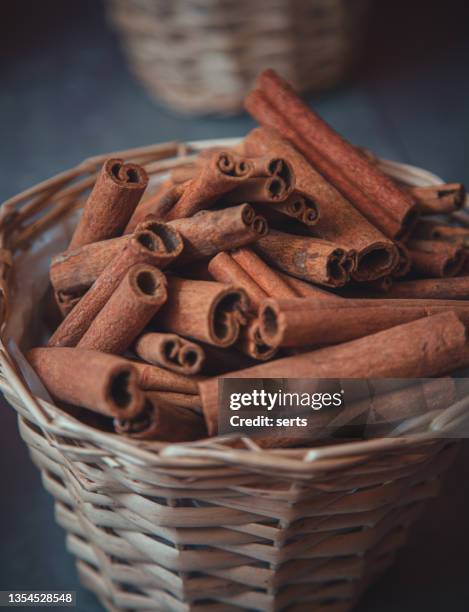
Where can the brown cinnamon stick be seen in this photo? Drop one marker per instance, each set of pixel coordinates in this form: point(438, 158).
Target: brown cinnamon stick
point(312, 135)
point(252, 343)
point(111, 203)
point(158, 205)
point(90, 379)
point(452, 288)
point(312, 259)
point(307, 322)
point(427, 347)
point(203, 310)
point(225, 269)
point(439, 199)
point(170, 351)
point(164, 422)
point(154, 378)
point(221, 173)
point(185, 400)
point(258, 189)
point(142, 247)
point(403, 262)
point(137, 298)
point(339, 222)
point(211, 231)
point(436, 258)
point(429, 230)
point(73, 272)
point(269, 280)
point(303, 289)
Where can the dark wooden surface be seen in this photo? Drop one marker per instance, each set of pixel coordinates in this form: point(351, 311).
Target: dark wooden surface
point(65, 94)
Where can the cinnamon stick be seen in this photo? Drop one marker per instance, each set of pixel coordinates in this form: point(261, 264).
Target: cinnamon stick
point(305, 322)
point(73, 272)
point(185, 400)
point(252, 343)
point(154, 378)
point(270, 281)
point(452, 288)
point(221, 173)
point(429, 230)
point(439, 199)
point(427, 347)
point(112, 201)
point(103, 383)
point(137, 298)
point(158, 205)
point(211, 231)
point(164, 422)
point(304, 289)
point(170, 351)
point(225, 269)
point(309, 258)
point(403, 262)
point(259, 189)
point(203, 310)
point(142, 247)
point(387, 205)
point(339, 222)
point(435, 258)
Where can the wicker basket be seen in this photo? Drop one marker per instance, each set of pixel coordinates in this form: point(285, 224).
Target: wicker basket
point(203, 526)
point(201, 56)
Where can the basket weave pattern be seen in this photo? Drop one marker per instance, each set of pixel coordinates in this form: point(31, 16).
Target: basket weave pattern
point(202, 57)
point(203, 526)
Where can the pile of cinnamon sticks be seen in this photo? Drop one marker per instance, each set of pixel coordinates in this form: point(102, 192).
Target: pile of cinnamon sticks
point(289, 255)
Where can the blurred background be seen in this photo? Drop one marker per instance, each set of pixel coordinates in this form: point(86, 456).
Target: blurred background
point(84, 77)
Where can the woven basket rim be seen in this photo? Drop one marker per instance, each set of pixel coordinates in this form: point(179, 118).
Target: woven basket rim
point(210, 451)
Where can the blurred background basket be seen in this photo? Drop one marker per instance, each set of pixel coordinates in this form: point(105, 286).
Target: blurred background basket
point(204, 526)
point(201, 56)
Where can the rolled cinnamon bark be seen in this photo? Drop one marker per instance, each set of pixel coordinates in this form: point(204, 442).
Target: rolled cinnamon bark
point(154, 378)
point(170, 351)
point(225, 269)
point(305, 322)
point(452, 288)
point(439, 199)
point(403, 262)
point(309, 258)
point(185, 400)
point(221, 173)
point(427, 347)
point(411, 401)
point(274, 166)
point(211, 231)
point(111, 203)
point(203, 310)
point(258, 189)
point(304, 289)
point(137, 298)
point(269, 280)
point(339, 222)
point(158, 205)
point(323, 143)
point(296, 206)
point(163, 422)
point(142, 247)
point(75, 271)
point(252, 344)
point(103, 383)
point(435, 258)
point(429, 230)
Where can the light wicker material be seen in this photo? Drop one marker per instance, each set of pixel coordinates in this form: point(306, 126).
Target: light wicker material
point(201, 56)
point(202, 526)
